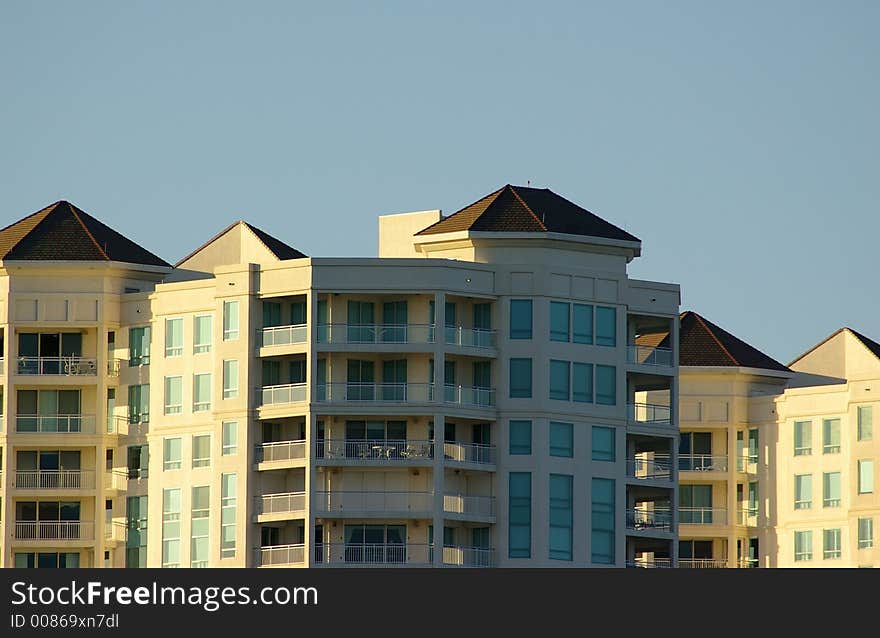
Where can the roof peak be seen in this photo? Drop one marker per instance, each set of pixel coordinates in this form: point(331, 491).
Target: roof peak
point(704, 343)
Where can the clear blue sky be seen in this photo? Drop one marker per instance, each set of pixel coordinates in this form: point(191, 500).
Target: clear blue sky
point(738, 140)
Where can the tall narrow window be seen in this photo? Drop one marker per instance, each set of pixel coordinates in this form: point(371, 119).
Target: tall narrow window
point(230, 438)
point(582, 382)
point(831, 543)
point(560, 383)
point(202, 333)
point(520, 378)
point(603, 443)
point(561, 439)
point(173, 337)
point(171, 527)
point(200, 529)
point(201, 450)
point(230, 320)
point(520, 437)
point(606, 385)
point(753, 445)
point(228, 500)
point(831, 489)
point(606, 326)
point(201, 392)
point(139, 346)
point(560, 329)
point(602, 533)
point(173, 395)
point(139, 403)
point(866, 533)
point(803, 545)
point(803, 437)
point(230, 379)
point(520, 318)
point(830, 436)
point(582, 323)
point(803, 491)
point(171, 453)
point(866, 476)
point(561, 517)
point(520, 515)
point(866, 423)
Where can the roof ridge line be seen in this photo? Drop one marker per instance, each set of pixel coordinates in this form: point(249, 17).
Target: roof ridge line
point(528, 208)
point(260, 239)
point(717, 340)
point(443, 219)
point(861, 339)
point(87, 231)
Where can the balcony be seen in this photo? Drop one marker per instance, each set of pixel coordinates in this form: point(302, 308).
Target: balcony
point(115, 531)
point(135, 425)
point(463, 507)
point(702, 515)
point(649, 520)
point(469, 397)
point(54, 531)
point(113, 367)
point(649, 413)
point(54, 479)
point(281, 506)
point(373, 555)
point(281, 451)
point(375, 393)
point(352, 334)
point(747, 516)
point(469, 453)
point(55, 424)
point(702, 463)
point(286, 393)
point(650, 563)
point(468, 557)
point(657, 468)
point(116, 480)
point(281, 556)
point(701, 563)
point(375, 451)
point(375, 503)
point(649, 356)
point(468, 337)
point(283, 335)
point(58, 366)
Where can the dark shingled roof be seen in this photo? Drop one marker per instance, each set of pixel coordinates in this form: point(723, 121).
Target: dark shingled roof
point(702, 343)
point(278, 247)
point(63, 232)
point(520, 209)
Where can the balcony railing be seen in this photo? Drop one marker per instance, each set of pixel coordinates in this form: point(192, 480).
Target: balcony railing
point(136, 425)
point(286, 393)
point(482, 506)
point(113, 366)
point(281, 451)
point(375, 450)
point(281, 503)
point(377, 502)
point(55, 530)
point(649, 519)
point(701, 563)
point(702, 515)
point(747, 516)
point(649, 356)
point(649, 413)
point(375, 333)
point(747, 563)
point(55, 479)
point(116, 480)
point(281, 555)
point(469, 556)
point(373, 554)
point(375, 392)
point(658, 467)
point(56, 423)
point(65, 366)
point(469, 337)
point(702, 463)
point(650, 563)
point(471, 397)
point(469, 452)
point(116, 531)
point(283, 335)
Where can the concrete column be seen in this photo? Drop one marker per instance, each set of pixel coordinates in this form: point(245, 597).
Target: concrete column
point(439, 424)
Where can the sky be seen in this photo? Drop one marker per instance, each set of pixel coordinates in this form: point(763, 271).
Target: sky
point(738, 140)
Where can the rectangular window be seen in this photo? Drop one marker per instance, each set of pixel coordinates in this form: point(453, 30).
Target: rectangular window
point(866, 476)
point(606, 385)
point(202, 333)
point(606, 326)
point(830, 436)
point(561, 439)
point(803, 438)
point(831, 543)
point(139, 346)
point(173, 337)
point(173, 395)
point(520, 318)
point(582, 323)
point(753, 445)
point(201, 392)
point(171, 453)
point(228, 500)
point(560, 383)
point(603, 443)
point(866, 423)
point(803, 491)
point(230, 378)
point(230, 438)
point(139, 403)
point(230, 320)
point(561, 519)
point(520, 515)
point(171, 527)
point(831, 489)
point(559, 321)
point(520, 378)
point(602, 533)
point(803, 545)
point(866, 533)
point(200, 528)
point(582, 382)
point(520, 437)
point(201, 450)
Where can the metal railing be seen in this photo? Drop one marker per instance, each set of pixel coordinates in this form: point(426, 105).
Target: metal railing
point(650, 563)
point(702, 515)
point(285, 393)
point(375, 392)
point(125, 426)
point(649, 413)
point(283, 335)
point(55, 530)
point(374, 450)
point(54, 479)
point(482, 506)
point(469, 452)
point(463, 556)
point(373, 554)
point(747, 563)
point(116, 480)
point(469, 337)
point(702, 463)
point(56, 423)
point(649, 356)
point(473, 397)
point(116, 531)
point(375, 333)
point(281, 555)
point(66, 366)
point(657, 519)
point(378, 502)
point(747, 516)
point(281, 503)
point(281, 451)
point(701, 563)
point(113, 367)
point(656, 467)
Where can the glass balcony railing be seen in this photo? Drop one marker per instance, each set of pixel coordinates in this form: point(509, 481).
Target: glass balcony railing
point(56, 423)
point(649, 356)
point(64, 366)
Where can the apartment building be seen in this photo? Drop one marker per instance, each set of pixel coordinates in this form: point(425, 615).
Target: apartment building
point(277, 410)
